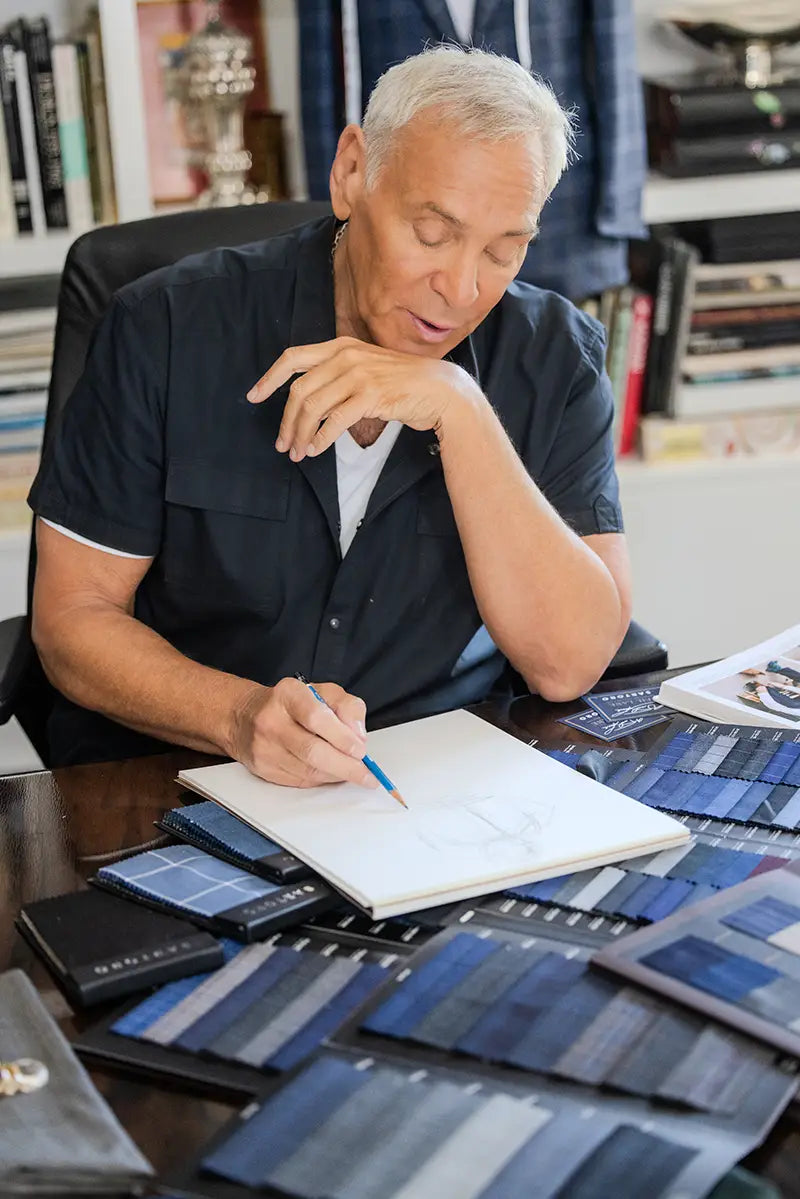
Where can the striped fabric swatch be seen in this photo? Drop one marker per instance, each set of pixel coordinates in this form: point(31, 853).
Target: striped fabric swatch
point(269, 1007)
point(749, 776)
point(347, 1130)
point(539, 1009)
point(649, 888)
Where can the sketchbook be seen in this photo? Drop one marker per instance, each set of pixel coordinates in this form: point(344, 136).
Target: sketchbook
point(759, 686)
point(485, 812)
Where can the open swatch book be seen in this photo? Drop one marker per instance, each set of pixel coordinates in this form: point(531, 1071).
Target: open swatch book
point(485, 812)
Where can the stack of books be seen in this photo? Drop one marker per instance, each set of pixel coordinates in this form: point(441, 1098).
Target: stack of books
point(704, 348)
point(26, 350)
point(55, 153)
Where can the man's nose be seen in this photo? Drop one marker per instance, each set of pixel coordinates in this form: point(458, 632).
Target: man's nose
point(457, 284)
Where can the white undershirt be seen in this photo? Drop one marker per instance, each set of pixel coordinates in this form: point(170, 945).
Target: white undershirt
point(357, 473)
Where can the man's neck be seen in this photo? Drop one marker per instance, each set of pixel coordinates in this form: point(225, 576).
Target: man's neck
point(367, 431)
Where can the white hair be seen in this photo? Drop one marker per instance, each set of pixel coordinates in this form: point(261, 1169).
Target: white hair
point(484, 95)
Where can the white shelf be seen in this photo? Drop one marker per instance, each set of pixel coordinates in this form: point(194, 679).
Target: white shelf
point(29, 255)
point(748, 194)
point(744, 469)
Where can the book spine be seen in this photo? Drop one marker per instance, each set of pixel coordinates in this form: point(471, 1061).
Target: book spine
point(687, 258)
point(8, 220)
point(13, 132)
point(88, 119)
point(43, 96)
point(653, 395)
point(639, 340)
point(760, 314)
point(72, 136)
point(27, 124)
point(105, 165)
point(744, 338)
point(618, 357)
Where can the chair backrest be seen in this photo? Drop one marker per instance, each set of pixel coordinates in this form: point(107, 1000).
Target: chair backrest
point(97, 265)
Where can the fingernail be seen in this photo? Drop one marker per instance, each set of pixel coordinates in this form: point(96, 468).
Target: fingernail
point(362, 728)
point(293, 454)
point(251, 394)
point(371, 781)
point(280, 445)
point(311, 450)
point(357, 751)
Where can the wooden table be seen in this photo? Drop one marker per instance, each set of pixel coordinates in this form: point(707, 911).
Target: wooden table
point(58, 828)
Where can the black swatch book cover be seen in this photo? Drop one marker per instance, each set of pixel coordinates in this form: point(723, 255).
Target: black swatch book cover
point(100, 947)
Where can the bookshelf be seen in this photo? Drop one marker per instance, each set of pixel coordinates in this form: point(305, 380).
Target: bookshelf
point(748, 194)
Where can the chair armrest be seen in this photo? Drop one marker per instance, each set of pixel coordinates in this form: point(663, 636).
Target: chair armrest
point(640, 653)
point(16, 651)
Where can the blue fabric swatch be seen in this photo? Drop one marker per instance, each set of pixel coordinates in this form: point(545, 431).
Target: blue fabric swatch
point(279, 1126)
point(221, 826)
point(710, 967)
point(762, 918)
point(421, 991)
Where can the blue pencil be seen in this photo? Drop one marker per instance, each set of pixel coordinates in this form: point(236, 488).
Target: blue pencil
point(371, 766)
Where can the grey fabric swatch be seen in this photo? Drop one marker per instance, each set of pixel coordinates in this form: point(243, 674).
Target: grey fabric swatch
point(296, 1014)
point(63, 1137)
point(318, 1166)
point(186, 1013)
point(597, 1050)
point(259, 1014)
point(708, 1073)
point(476, 1152)
point(647, 1063)
point(466, 1003)
point(437, 1111)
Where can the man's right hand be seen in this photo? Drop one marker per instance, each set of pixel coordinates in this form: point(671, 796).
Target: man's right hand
point(284, 735)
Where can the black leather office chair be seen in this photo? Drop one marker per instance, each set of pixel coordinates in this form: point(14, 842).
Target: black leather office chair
point(99, 263)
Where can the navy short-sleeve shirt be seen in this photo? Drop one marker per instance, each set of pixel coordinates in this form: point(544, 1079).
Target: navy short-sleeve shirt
point(159, 453)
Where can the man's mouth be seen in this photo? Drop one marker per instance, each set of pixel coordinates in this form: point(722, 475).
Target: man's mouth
point(429, 330)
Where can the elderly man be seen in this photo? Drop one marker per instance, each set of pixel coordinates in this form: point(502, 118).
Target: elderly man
point(419, 490)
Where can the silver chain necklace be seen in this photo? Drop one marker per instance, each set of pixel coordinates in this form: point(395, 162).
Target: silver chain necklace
point(337, 237)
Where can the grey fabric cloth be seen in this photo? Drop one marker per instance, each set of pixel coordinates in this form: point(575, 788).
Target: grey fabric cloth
point(63, 1138)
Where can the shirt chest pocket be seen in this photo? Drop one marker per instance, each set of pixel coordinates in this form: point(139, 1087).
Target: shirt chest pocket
point(226, 531)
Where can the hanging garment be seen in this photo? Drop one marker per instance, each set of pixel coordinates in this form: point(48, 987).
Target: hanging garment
point(584, 48)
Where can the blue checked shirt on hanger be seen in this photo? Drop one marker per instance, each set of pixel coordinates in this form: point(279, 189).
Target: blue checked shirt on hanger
point(345, 45)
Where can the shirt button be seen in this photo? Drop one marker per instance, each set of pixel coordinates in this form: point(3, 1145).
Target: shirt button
point(334, 622)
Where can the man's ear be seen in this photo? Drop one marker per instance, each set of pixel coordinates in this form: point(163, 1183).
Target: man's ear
point(348, 173)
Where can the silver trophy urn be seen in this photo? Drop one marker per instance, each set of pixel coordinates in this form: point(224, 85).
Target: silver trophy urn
point(746, 35)
point(216, 77)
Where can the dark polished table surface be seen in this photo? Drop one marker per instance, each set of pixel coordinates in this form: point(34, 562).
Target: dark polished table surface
point(58, 828)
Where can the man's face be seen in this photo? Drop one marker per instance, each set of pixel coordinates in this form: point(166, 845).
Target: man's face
point(433, 245)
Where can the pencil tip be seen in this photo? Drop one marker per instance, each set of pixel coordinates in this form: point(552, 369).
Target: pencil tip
point(396, 794)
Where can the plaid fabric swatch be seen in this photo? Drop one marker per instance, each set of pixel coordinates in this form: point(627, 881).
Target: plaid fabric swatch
point(186, 878)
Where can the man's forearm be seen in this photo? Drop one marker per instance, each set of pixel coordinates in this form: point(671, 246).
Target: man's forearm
point(549, 602)
point(110, 662)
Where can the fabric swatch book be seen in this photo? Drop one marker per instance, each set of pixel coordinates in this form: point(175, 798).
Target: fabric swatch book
point(759, 686)
point(485, 812)
point(735, 957)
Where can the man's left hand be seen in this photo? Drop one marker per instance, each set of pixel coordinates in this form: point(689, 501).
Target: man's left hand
point(345, 380)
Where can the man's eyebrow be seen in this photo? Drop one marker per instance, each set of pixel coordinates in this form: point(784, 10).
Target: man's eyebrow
point(457, 224)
